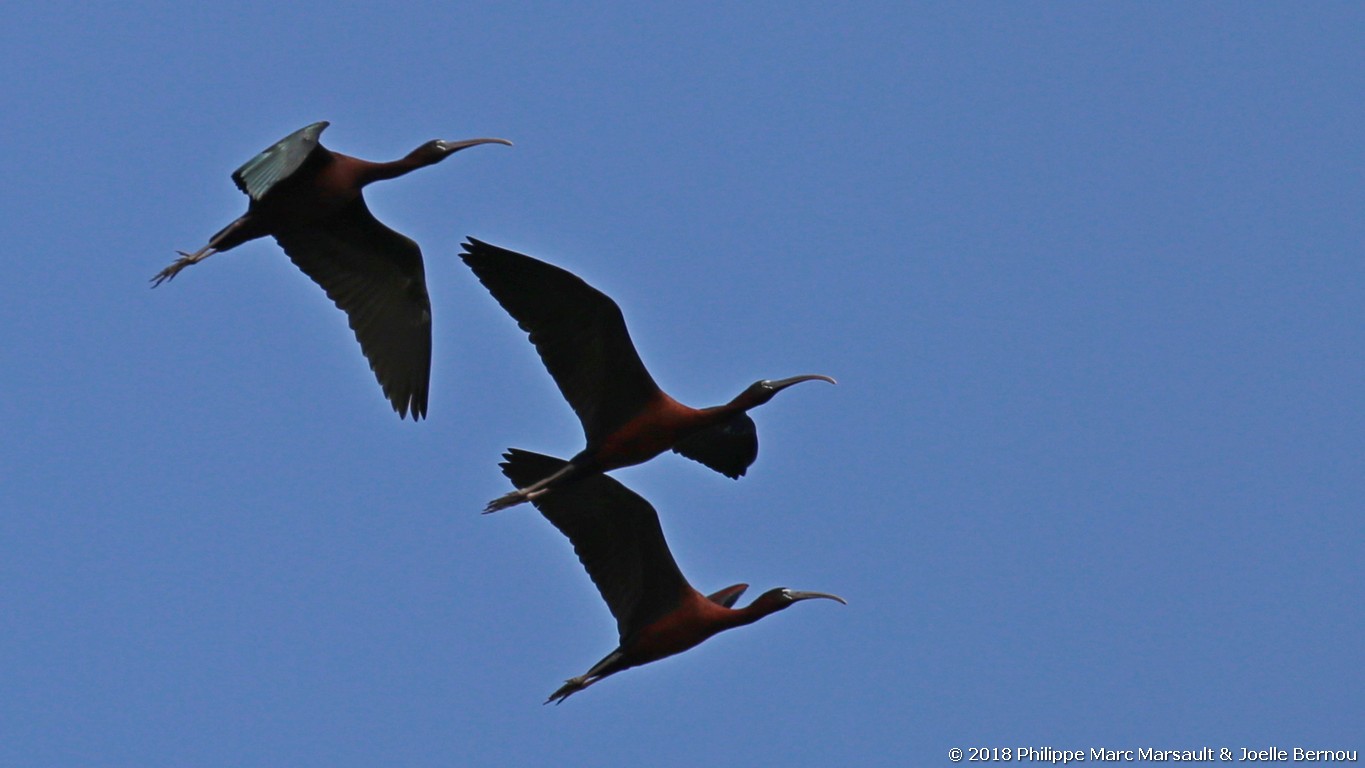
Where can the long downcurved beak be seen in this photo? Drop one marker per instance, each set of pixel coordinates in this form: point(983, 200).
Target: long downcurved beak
point(456, 146)
point(796, 596)
point(781, 384)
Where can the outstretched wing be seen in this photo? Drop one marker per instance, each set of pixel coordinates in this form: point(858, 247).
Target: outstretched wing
point(729, 448)
point(375, 276)
point(617, 537)
point(578, 331)
point(259, 174)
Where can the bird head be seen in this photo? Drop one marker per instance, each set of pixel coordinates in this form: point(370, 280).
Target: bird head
point(764, 390)
point(437, 150)
point(777, 599)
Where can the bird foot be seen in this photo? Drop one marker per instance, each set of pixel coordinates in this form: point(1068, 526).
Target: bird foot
point(506, 500)
point(174, 268)
point(570, 687)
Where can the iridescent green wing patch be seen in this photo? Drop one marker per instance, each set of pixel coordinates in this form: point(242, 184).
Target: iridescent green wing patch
point(258, 175)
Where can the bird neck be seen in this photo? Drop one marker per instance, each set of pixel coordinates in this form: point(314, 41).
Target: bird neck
point(370, 171)
point(750, 613)
point(719, 414)
point(748, 400)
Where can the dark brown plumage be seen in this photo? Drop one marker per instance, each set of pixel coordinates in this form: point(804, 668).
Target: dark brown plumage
point(309, 199)
point(627, 419)
point(617, 537)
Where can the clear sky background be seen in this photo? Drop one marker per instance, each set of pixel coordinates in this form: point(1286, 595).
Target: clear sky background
point(1089, 275)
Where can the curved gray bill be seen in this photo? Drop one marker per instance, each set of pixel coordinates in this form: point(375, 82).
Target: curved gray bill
point(456, 146)
point(811, 595)
point(781, 384)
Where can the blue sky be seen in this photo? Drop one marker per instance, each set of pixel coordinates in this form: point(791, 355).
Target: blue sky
point(1089, 276)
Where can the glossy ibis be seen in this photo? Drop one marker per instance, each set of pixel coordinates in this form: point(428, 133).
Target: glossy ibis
point(617, 537)
point(582, 339)
point(309, 199)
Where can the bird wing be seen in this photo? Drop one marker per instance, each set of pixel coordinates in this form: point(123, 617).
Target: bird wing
point(728, 448)
point(578, 331)
point(616, 535)
point(729, 596)
point(375, 276)
point(259, 174)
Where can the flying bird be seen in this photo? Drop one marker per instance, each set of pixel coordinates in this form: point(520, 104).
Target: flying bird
point(617, 537)
point(627, 419)
point(309, 199)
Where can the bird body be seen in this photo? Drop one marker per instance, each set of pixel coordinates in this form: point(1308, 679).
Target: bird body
point(310, 200)
point(617, 537)
point(627, 419)
point(659, 426)
point(693, 619)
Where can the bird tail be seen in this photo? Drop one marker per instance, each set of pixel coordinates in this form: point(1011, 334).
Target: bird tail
point(521, 467)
